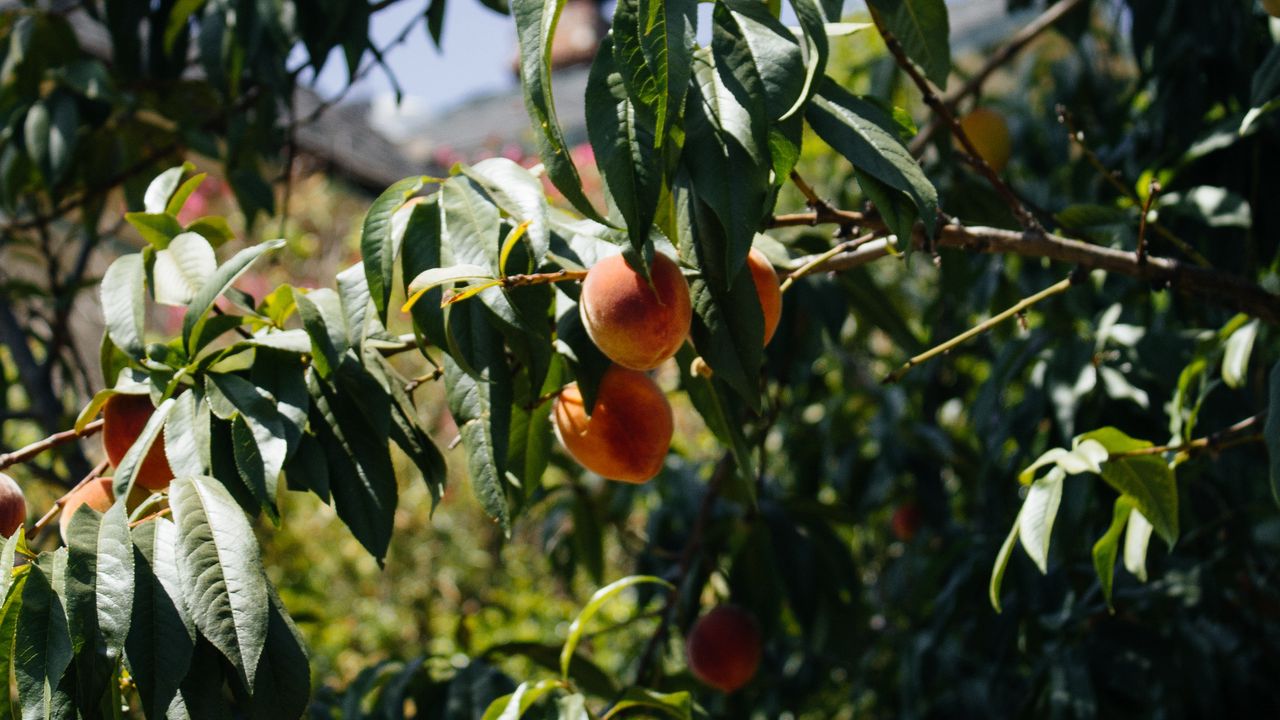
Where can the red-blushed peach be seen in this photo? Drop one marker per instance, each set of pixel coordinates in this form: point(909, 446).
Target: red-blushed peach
point(13, 506)
point(628, 433)
point(769, 290)
point(636, 325)
point(906, 521)
point(989, 133)
point(123, 417)
point(96, 493)
point(724, 648)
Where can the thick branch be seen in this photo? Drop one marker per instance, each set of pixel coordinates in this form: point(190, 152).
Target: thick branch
point(1219, 288)
point(26, 453)
point(998, 59)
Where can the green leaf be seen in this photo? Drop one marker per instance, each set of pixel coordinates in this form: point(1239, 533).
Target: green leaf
point(677, 705)
point(184, 447)
point(10, 612)
point(862, 132)
point(132, 460)
point(519, 194)
point(421, 251)
point(1235, 359)
point(42, 649)
point(710, 399)
point(156, 198)
point(436, 277)
point(284, 674)
point(1107, 547)
point(223, 580)
point(654, 42)
point(325, 323)
point(813, 19)
point(481, 405)
point(213, 228)
point(158, 229)
point(1147, 480)
point(622, 134)
point(113, 587)
point(8, 551)
point(258, 434)
point(515, 705)
point(726, 153)
point(1002, 564)
point(728, 324)
point(585, 673)
point(182, 268)
point(224, 277)
point(362, 478)
point(123, 299)
point(1039, 510)
point(535, 26)
point(161, 638)
point(924, 29)
point(1136, 539)
point(80, 578)
point(597, 601)
point(184, 191)
point(1271, 430)
point(762, 44)
point(379, 245)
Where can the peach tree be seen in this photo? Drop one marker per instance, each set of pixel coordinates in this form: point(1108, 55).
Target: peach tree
point(1083, 340)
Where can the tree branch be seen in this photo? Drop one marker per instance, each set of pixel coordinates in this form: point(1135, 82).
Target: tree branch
point(998, 59)
point(989, 323)
point(1214, 286)
point(1024, 216)
point(1220, 440)
point(26, 453)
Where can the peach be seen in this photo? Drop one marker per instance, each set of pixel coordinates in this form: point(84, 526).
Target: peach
point(767, 287)
point(627, 435)
point(13, 506)
point(724, 648)
point(636, 325)
point(123, 417)
point(96, 493)
point(906, 521)
point(989, 133)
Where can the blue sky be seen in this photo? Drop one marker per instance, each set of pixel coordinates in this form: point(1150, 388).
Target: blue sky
point(479, 46)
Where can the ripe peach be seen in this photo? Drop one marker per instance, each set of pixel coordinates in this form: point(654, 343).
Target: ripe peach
point(96, 493)
point(724, 648)
point(906, 521)
point(767, 287)
point(636, 325)
point(13, 506)
point(628, 433)
point(989, 133)
point(123, 417)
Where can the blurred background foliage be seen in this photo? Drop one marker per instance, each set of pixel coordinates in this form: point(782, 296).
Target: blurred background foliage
point(859, 622)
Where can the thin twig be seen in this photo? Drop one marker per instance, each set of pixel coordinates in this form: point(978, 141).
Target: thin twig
point(24, 454)
point(1220, 440)
point(1077, 137)
point(819, 261)
point(1024, 216)
point(1021, 306)
point(1152, 190)
point(53, 511)
point(514, 281)
point(998, 59)
point(1214, 286)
